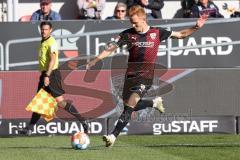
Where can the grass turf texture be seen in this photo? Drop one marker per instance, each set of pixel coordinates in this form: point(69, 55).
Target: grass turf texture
point(164, 147)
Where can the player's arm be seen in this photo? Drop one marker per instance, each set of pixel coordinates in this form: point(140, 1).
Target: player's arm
point(102, 55)
point(187, 32)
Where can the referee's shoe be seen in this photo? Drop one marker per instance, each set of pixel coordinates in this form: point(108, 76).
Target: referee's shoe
point(25, 131)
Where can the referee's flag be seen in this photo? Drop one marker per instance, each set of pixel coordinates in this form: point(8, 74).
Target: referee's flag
point(43, 103)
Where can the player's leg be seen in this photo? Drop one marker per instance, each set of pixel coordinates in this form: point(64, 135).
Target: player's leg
point(156, 103)
point(144, 103)
point(123, 119)
point(131, 95)
point(126, 114)
point(70, 108)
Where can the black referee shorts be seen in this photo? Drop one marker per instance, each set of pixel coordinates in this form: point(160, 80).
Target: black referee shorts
point(55, 86)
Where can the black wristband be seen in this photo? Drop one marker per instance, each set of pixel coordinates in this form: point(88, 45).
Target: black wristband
point(45, 75)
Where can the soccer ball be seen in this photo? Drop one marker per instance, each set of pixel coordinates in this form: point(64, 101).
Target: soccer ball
point(80, 141)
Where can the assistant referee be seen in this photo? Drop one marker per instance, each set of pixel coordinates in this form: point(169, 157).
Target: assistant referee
point(50, 78)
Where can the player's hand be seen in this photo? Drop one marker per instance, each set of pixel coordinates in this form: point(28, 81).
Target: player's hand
point(46, 81)
point(144, 2)
point(201, 21)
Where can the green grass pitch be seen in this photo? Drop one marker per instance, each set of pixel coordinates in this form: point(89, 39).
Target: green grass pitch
point(163, 147)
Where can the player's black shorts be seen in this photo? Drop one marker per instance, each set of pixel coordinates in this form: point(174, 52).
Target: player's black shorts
point(133, 84)
point(55, 86)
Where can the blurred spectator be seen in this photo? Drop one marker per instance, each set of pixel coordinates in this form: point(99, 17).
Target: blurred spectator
point(151, 7)
point(234, 12)
point(120, 12)
point(186, 10)
point(205, 6)
point(90, 9)
point(45, 12)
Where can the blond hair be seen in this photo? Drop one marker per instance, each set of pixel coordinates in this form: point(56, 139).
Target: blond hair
point(136, 10)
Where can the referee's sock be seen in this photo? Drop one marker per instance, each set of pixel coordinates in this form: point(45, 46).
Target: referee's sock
point(73, 111)
point(29, 128)
point(143, 104)
point(123, 120)
point(34, 119)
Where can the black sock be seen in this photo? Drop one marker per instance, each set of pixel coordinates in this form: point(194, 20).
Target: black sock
point(73, 111)
point(34, 120)
point(123, 120)
point(142, 104)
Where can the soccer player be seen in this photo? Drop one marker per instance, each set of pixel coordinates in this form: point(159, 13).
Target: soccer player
point(50, 78)
point(143, 41)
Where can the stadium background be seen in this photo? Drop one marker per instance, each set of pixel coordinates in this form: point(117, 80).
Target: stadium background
point(13, 10)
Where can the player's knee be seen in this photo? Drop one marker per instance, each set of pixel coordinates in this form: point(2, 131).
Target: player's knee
point(131, 105)
point(133, 100)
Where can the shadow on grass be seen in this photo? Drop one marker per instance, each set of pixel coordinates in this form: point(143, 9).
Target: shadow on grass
point(35, 147)
point(195, 145)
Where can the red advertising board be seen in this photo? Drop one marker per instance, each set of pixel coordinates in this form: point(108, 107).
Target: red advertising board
point(92, 98)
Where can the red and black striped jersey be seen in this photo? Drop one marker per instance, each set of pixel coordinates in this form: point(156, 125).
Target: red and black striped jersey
point(143, 47)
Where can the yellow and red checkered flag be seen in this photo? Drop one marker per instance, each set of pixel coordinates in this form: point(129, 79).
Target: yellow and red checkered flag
point(43, 103)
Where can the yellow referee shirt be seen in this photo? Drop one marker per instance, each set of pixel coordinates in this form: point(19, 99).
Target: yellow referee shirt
point(46, 48)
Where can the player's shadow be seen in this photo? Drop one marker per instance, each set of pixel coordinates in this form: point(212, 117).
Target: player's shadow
point(95, 147)
point(36, 147)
